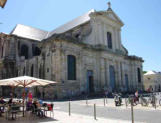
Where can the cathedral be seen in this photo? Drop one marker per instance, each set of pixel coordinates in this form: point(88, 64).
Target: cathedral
point(85, 55)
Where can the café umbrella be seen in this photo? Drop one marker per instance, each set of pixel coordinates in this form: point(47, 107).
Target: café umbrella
point(25, 81)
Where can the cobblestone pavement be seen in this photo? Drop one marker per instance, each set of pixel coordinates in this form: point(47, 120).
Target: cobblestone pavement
point(62, 117)
point(109, 111)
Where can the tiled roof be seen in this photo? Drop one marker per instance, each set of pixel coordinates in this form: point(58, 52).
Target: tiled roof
point(37, 34)
point(29, 32)
point(78, 21)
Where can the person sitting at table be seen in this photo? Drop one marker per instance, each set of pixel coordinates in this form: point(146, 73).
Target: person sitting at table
point(2, 108)
point(0, 113)
point(2, 101)
point(36, 108)
point(29, 105)
point(10, 102)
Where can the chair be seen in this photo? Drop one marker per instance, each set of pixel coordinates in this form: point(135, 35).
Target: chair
point(50, 108)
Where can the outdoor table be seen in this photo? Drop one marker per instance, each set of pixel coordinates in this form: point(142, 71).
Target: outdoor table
point(13, 110)
point(1, 106)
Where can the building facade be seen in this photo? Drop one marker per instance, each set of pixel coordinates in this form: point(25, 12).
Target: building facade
point(152, 81)
point(85, 55)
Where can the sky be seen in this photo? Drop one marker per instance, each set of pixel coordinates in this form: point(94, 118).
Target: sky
point(141, 34)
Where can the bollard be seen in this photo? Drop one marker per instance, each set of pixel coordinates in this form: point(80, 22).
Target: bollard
point(95, 111)
point(125, 103)
point(155, 103)
point(86, 101)
point(132, 112)
point(69, 109)
point(104, 101)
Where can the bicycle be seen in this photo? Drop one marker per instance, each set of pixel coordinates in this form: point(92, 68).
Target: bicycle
point(152, 100)
point(143, 101)
point(129, 99)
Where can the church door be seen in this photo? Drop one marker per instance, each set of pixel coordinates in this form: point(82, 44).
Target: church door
point(112, 77)
point(90, 83)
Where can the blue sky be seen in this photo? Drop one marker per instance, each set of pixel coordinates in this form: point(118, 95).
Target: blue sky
point(141, 34)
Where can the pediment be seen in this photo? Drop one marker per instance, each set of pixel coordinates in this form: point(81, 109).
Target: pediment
point(110, 15)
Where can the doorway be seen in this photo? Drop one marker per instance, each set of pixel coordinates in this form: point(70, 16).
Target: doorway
point(90, 82)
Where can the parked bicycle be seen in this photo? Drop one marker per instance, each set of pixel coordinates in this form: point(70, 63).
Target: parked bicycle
point(152, 100)
point(143, 101)
point(129, 99)
point(160, 102)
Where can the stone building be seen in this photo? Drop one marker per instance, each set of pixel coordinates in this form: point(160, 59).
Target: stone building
point(85, 55)
point(152, 81)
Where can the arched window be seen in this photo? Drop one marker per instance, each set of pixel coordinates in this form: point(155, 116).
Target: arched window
point(35, 50)
point(24, 51)
point(109, 40)
point(71, 67)
point(139, 75)
point(32, 70)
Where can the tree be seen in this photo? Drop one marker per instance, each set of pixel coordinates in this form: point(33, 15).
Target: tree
point(2, 3)
point(144, 72)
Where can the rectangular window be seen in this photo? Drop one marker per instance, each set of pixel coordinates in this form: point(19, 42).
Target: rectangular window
point(71, 67)
point(109, 40)
point(47, 69)
point(139, 75)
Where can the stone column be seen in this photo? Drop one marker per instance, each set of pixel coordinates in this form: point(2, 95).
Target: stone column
point(116, 38)
point(58, 66)
point(119, 38)
point(116, 74)
point(135, 75)
point(107, 73)
point(123, 74)
point(119, 74)
point(113, 39)
point(102, 67)
point(100, 33)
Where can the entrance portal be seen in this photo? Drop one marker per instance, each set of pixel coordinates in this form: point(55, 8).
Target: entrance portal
point(90, 83)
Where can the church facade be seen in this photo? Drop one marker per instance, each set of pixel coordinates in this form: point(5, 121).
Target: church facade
point(85, 55)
